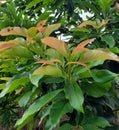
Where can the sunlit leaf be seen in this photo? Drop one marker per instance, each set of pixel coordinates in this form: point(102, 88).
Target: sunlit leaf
point(32, 31)
point(51, 28)
point(14, 31)
point(114, 50)
point(5, 78)
point(2, 86)
point(37, 105)
point(14, 83)
point(51, 70)
point(58, 45)
point(49, 62)
point(82, 45)
point(35, 79)
point(74, 93)
point(98, 54)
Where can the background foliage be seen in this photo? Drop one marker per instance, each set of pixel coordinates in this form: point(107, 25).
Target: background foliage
point(46, 83)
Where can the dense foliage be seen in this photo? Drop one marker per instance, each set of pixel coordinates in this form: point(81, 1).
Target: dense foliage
point(59, 69)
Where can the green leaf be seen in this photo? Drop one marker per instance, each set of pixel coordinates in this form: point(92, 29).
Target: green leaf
point(98, 54)
point(105, 5)
point(14, 83)
point(80, 30)
point(53, 80)
point(95, 122)
point(114, 50)
point(45, 113)
point(33, 3)
point(102, 76)
point(58, 109)
point(24, 99)
point(51, 28)
point(66, 126)
point(37, 105)
point(35, 79)
point(32, 32)
point(52, 53)
point(74, 93)
point(2, 86)
point(29, 119)
point(92, 88)
point(50, 70)
point(109, 40)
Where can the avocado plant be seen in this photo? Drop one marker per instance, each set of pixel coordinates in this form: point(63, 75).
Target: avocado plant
point(52, 82)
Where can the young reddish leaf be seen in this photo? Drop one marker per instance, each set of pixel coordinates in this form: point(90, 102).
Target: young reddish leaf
point(14, 31)
point(82, 45)
point(6, 45)
point(98, 54)
point(51, 70)
point(79, 63)
point(44, 62)
point(58, 45)
point(41, 26)
point(93, 24)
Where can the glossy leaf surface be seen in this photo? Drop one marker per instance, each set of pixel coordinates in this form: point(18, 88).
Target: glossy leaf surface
point(98, 54)
point(37, 105)
point(51, 70)
point(74, 93)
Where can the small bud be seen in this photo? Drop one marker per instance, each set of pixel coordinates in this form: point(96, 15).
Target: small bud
point(117, 7)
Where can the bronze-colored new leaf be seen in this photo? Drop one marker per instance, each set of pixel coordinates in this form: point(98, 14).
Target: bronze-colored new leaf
point(81, 46)
point(50, 62)
point(56, 44)
point(98, 54)
point(6, 45)
point(79, 63)
point(93, 24)
point(41, 26)
point(14, 31)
